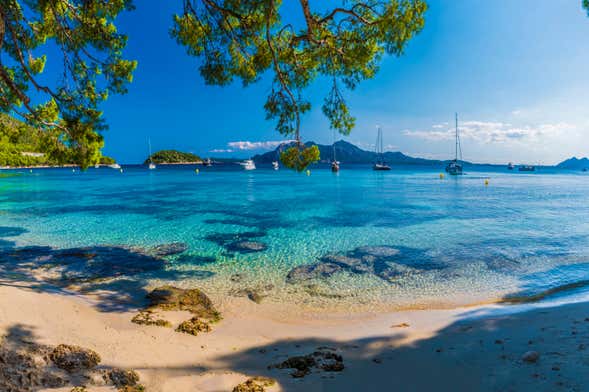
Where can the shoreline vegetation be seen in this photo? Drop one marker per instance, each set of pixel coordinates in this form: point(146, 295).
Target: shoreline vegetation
point(23, 146)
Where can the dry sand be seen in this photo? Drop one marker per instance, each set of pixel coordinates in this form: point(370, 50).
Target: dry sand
point(428, 350)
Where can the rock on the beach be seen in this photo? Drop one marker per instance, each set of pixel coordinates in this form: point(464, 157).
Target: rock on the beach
point(147, 317)
point(191, 300)
point(74, 358)
point(325, 360)
point(121, 377)
point(194, 326)
point(531, 357)
point(312, 271)
point(255, 384)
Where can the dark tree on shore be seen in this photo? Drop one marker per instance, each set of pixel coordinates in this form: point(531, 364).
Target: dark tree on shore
point(83, 40)
point(243, 39)
point(586, 6)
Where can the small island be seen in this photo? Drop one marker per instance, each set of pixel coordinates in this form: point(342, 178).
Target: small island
point(173, 157)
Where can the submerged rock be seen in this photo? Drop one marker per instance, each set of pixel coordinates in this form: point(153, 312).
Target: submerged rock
point(531, 357)
point(312, 271)
point(353, 264)
point(255, 384)
point(194, 326)
point(173, 248)
point(378, 251)
point(246, 247)
point(254, 294)
point(191, 300)
point(315, 291)
point(74, 358)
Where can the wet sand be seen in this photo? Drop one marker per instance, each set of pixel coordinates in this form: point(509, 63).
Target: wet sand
point(422, 350)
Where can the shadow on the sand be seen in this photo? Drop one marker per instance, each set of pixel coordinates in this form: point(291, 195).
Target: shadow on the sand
point(467, 355)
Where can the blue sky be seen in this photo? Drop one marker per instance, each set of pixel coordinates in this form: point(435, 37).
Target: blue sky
point(516, 71)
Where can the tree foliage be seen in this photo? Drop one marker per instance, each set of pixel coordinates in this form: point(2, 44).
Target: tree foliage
point(244, 38)
point(84, 35)
point(586, 6)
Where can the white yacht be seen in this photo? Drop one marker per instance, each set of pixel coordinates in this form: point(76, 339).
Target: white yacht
point(275, 165)
point(248, 164)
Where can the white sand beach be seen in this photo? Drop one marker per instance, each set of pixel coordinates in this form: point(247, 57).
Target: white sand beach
point(442, 350)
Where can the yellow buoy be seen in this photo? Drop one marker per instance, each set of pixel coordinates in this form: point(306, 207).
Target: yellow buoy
point(196, 171)
point(308, 172)
point(441, 176)
point(486, 182)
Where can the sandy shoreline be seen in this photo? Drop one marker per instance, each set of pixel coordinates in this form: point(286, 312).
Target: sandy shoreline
point(387, 351)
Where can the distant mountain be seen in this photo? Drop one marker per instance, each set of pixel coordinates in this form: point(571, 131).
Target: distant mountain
point(574, 164)
point(348, 153)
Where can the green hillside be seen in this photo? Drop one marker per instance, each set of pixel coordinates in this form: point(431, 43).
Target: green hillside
point(23, 145)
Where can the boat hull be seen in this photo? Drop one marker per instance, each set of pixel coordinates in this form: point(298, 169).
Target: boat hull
point(380, 167)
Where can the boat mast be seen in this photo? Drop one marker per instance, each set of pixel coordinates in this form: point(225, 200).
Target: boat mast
point(149, 144)
point(334, 158)
point(456, 147)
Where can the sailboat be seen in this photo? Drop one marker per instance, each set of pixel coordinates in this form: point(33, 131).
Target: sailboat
point(454, 168)
point(334, 162)
point(151, 164)
point(380, 163)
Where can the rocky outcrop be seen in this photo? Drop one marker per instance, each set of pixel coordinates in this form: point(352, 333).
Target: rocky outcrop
point(255, 384)
point(191, 300)
point(28, 367)
point(194, 326)
point(325, 360)
point(148, 317)
point(170, 298)
point(74, 358)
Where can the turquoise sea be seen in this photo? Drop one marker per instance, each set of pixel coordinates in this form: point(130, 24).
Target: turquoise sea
point(357, 240)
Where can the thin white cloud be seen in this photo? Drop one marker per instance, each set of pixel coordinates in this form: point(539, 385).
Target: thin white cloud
point(266, 145)
point(221, 150)
point(492, 132)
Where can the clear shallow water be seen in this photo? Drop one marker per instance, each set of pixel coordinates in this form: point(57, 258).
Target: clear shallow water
point(456, 240)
